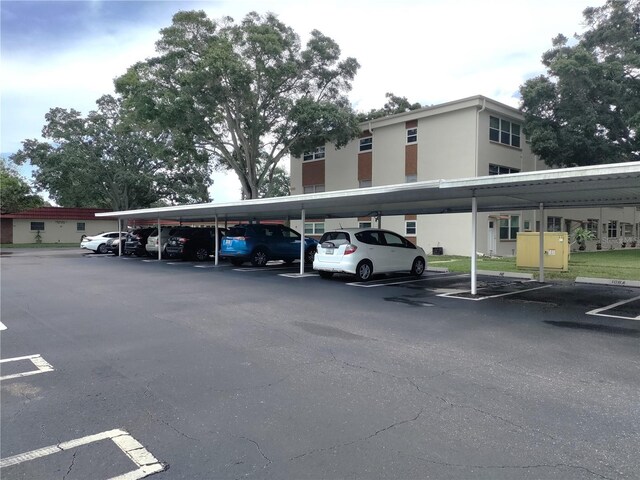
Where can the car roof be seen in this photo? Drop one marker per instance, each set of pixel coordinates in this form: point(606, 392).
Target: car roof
point(358, 230)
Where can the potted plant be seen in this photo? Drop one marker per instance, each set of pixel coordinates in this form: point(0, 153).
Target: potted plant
point(581, 235)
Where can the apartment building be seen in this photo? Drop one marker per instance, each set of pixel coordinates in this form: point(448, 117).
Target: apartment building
point(466, 138)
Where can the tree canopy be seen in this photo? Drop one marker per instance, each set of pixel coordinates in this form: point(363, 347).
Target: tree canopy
point(103, 161)
point(16, 194)
point(245, 95)
point(395, 104)
point(586, 110)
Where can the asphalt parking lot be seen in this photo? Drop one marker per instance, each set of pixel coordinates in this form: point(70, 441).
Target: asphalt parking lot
point(127, 368)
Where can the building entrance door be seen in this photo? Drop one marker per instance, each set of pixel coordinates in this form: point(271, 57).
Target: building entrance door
point(491, 240)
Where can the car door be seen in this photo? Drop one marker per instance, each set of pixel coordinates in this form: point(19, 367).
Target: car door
point(290, 242)
point(373, 244)
point(398, 255)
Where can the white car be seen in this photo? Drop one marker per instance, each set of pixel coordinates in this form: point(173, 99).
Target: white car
point(152, 240)
point(98, 243)
point(363, 251)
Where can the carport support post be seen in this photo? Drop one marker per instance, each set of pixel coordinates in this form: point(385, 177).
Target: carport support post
point(159, 243)
point(120, 237)
point(216, 244)
point(541, 252)
point(302, 244)
point(474, 227)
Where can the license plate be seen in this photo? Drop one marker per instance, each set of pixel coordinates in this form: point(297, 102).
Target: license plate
point(329, 251)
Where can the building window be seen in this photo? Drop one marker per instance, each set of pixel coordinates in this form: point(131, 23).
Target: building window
point(612, 229)
point(80, 227)
point(592, 226)
point(410, 227)
point(554, 224)
point(366, 144)
point(504, 131)
point(317, 154)
point(509, 227)
point(314, 228)
point(37, 226)
point(412, 135)
point(364, 224)
point(314, 188)
point(364, 183)
point(410, 178)
point(500, 170)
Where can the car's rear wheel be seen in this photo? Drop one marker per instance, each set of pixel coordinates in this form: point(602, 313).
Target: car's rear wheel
point(103, 248)
point(364, 270)
point(201, 254)
point(417, 269)
point(259, 257)
point(236, 262)
point(309, 255)
point(324, 274)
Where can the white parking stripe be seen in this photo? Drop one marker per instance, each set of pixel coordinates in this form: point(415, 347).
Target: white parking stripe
point(477, 299)
point(145, 462)
point(297, 275)
point(384, 283)
point(598, 311)
point(2, 326)
point(40, 363)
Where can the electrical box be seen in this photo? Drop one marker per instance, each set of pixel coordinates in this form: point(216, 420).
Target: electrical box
point(556, 250)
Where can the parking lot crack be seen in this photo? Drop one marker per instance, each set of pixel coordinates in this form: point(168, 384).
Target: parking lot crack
point(352, 442)
point(73, 460)
point(269, 462)
point(164, 422)
point(514, 467)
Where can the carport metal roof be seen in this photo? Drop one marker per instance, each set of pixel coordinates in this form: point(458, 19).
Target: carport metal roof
point(593, 186)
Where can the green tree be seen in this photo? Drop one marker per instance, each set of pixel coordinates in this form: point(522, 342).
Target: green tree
point(395, 104)
point(245, 94)
point(586, 110)
point(16, 194)
point(277, 185)
point(104, 161)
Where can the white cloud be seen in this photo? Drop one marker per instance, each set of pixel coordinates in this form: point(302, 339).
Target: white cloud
point(430, 51)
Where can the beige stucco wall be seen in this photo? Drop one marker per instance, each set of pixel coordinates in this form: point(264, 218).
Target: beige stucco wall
point(59, 231)
point(450, 139)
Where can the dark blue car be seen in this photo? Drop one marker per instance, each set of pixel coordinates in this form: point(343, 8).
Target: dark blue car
point(259, 243)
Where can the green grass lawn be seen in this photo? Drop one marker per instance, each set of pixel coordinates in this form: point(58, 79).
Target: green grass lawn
point(39, 245)
point(616, 264)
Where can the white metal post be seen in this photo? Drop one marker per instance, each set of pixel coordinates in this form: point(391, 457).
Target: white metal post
point(217, 243)
point(302, 244)
point(474, 228)
point(119, 237)
point(159, 243)
point(541, 252)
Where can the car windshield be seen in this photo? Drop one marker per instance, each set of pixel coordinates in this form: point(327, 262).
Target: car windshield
point(236, 232)
point(337, 238)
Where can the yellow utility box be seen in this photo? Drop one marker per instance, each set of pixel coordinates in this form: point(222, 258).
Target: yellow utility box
point(556, 250)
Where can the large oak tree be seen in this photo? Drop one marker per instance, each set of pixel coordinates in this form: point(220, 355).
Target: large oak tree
point(586, 110)
point(101, 160)
point(245, 94)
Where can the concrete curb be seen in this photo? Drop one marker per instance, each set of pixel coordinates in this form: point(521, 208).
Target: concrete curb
point(523, 276)
point(609, 281)
point(438, 269)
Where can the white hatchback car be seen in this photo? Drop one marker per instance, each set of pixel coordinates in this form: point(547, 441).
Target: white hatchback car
point(362, 251)
point(98, 243)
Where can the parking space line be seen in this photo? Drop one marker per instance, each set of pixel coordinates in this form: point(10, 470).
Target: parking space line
point(598, 311)
point(297, 275)
point(40, 363)
point(145, 462)
point(410, 280)
point(262, 269)
point(2, 326)
point(477, 299)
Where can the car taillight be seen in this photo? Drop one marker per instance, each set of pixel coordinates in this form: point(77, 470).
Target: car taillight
point(183, 240)
point(350, 249)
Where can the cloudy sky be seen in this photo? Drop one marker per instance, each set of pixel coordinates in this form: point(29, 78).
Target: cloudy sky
point(67, 53)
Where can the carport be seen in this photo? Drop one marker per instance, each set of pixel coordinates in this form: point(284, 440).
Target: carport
point(593, 186)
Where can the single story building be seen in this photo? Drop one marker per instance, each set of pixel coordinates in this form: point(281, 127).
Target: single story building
point(53, 225)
